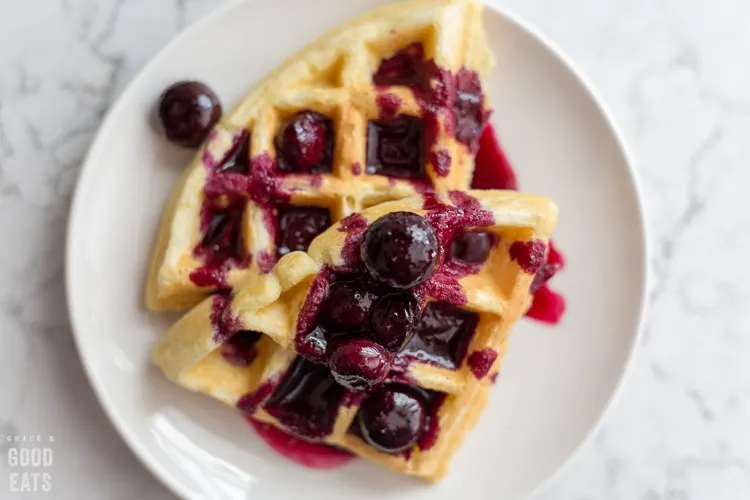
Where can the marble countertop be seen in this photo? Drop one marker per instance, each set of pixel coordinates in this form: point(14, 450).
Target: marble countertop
point(675, 73)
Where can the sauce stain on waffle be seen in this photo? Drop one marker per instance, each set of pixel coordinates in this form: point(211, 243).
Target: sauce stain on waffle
point(352, 295)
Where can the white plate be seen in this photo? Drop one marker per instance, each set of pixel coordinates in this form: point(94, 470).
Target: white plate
point(555, 383)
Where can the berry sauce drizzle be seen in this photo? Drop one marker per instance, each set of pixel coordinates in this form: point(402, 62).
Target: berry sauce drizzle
point(493, 171)
point(237, 177)
point(452, 102)
point(222, 247)
point(312, 455)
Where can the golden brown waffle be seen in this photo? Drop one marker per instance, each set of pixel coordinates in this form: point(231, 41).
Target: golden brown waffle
point(494, 293)
point(236, 177)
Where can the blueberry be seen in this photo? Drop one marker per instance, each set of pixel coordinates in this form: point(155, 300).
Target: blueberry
point(348, 306)
point(400, 249)
point(187, 113)
point(393, 320)
point(303, 140)
point(358, 363)
point(471, 247)
point(392, 419)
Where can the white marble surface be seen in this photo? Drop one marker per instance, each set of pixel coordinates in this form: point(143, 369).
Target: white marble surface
point(675, 73)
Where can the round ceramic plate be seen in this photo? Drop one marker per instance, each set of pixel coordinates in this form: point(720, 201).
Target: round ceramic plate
point(556, 381)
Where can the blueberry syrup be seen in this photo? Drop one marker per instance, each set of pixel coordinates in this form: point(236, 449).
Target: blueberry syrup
point(223, 321)
point(221, 223)
point(548, 306)
point(493, 171)
point(436, 274)
point(251, 402)
point(237, 160)
point(470, 115)
point(305, 453)
point(228, 176)
point(405, 67)
point(312, 343)
point(307, 400)
point(480, 362)
point(388, 104)
point(441, 161)
point(432, 425)
point(530, 255)
point(298, 226)
point(442, 336)
point(354, 226)
point(362, 325)
point(447, 220)
point(455, 102)
point(221, 220)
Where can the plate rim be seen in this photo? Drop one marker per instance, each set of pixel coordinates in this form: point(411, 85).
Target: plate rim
point(124, 429)
point(646, 272)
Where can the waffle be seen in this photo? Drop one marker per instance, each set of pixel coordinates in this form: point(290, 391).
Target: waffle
point(493, 295)
point(236, 182)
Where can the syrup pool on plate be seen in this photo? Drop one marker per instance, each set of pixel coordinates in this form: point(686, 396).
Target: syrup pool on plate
point(312, 455)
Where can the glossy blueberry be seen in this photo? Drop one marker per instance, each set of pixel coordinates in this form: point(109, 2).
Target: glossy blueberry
point(392, 419)
point(348, 306)
point(400, 249)
point(471, 247)
point(187, 112)
point(304, 141)
point(393, 320)
point(358, 363)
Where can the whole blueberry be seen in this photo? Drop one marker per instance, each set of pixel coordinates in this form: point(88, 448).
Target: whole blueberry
point(348, 306)
point(303, 140)
point(400, 249)
point(393, 320)
point(187, 112)
point(358, 363)
point(471, 247)
point(392, 419)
